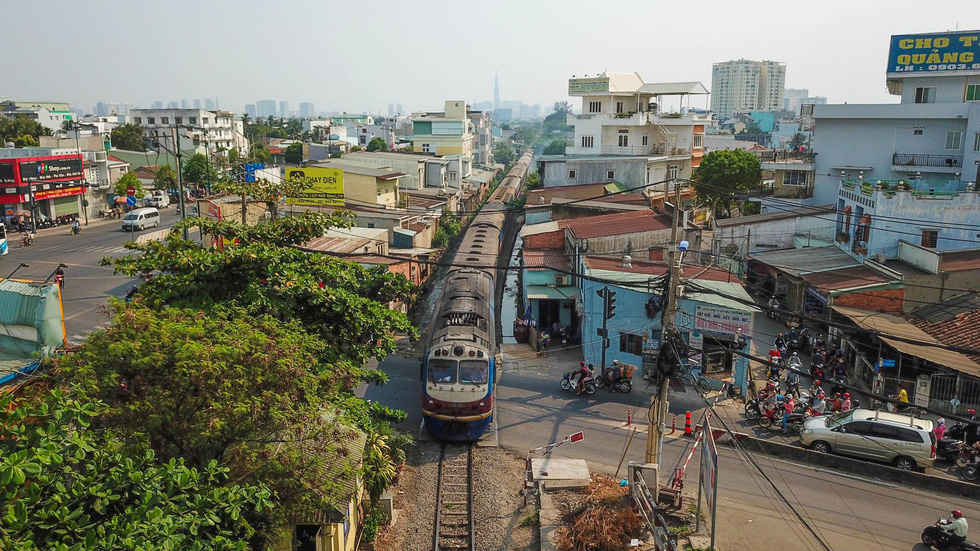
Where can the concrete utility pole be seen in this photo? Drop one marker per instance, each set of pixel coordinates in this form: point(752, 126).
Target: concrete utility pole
point(657, 415)
point(180, 180)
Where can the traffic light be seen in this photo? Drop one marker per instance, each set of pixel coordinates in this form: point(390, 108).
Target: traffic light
point(610, 303)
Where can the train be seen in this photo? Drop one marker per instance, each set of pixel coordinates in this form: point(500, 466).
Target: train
point(458, 366)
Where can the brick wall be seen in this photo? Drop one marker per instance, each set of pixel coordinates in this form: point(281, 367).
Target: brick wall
point(550, 240)
point(885, 300)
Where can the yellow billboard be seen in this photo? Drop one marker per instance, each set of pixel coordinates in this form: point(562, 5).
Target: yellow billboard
point(326, 187)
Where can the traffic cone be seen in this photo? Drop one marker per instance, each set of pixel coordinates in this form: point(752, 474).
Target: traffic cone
point(687, 425)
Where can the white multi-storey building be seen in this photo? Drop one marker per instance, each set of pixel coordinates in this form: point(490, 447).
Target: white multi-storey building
point(744, 85)
point(197, 130)
point(623, 136)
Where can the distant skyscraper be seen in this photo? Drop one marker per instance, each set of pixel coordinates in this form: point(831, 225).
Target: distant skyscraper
point(391, 109)
point(398, 109)
point(212, 104)
point(306, 109)
point(172, 105)
point(101, 109)
point(197, 104)
point(156, 105)
point(745, 85)
point(265, 108)
point(496, 91)
point(185, 104)
point(283, 109)
point(250, 110)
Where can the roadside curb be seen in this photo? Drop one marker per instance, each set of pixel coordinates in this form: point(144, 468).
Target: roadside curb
point(866, 469)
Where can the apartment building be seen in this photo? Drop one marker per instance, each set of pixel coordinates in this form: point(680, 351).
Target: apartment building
point(49, 114)
point(744, 85)
point(444, 133)
point(196, 130)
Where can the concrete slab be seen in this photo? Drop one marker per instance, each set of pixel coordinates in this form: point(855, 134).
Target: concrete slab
point(548, 468)
point(699, 542)
point(556, 485)
point(549, 519)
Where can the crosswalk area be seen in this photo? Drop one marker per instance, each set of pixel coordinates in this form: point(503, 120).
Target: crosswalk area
point(103, 249)
point(80, 337)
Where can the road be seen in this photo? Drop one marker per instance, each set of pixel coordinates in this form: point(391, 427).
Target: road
point(848, 512)
point(87, 285)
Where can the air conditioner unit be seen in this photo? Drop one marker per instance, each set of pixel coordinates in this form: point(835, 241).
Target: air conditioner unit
point(879, 257)
point(579, 309)
point(563, 280)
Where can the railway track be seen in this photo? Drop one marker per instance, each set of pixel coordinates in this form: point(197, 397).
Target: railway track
point(454, 529)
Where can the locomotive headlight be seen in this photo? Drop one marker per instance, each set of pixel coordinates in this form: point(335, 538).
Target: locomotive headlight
point(482, 404)
point(431, 402)
point(472, 353)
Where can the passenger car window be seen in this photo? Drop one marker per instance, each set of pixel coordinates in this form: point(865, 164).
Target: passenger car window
point(442, 371)
point(909, 435)
point(473, 371)
point(858, 427)
point(884, 431)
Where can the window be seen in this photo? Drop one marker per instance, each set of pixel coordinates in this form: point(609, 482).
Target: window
point(611, 174)
point(139, 120)
point(179, 120)
point(624, 140)
point(973, 92)
point(165, 120)
point(794, 178)
point(595, 107)
point(645, 140)
point(631, 344)
point(976, 141)
point(473, 371)
point(917, 130)
point(442, 371)
point(929, 238)
point(925, 94)
point(425, 148)
point(151, 120)
point(193, 120)
point(619, 107)
point(953, 139)
point(699, 141)
point(588, 141)
point(672, 172)
point(204, 120)
point(571, 174)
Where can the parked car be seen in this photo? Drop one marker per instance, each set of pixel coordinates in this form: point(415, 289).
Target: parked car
point(157, 199)
point(904, 441)
point(141, 219)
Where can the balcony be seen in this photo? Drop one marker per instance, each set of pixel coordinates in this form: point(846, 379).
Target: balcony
point(793, 192)
point(632, 118)
point(914, 162)
point(645, 150)
point(786, 156)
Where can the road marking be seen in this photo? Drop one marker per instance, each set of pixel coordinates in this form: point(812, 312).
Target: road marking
point(856, 477)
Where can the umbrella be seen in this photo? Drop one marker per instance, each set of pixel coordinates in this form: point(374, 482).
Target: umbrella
point(22, 213)
point(120, 200)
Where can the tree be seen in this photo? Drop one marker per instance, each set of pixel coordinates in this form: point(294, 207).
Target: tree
point(233, 155)
point(525, 135)
point(799, 139)
point(503, 153)
point(264, 191)
point(556, 147)
point(294, 153)
point(20, 125)
point(26, 140)
point(129, 137)
point(377, 143)
point(166, 179)
point(129, 180)
point(723, 174)
point(558, 120)
point(65, 485)
point(198, 170)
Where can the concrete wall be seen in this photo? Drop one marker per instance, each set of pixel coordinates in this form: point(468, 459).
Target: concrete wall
point(630, 172)
point(411, 165)
point(770, 235)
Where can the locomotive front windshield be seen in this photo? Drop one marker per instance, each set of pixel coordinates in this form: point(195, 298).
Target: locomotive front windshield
point(473, 372)
point(442, 371)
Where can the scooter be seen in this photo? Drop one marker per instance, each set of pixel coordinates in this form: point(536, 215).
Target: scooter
point(27, 240)
point(910, 409)
point(60, 280)
point(805, 341)
point(624, 384)
point(569, 383)
point(971, 471)
point(968, 455)
point(74, 231)
point(935, 536)
point(949, 449)
point(773, 416)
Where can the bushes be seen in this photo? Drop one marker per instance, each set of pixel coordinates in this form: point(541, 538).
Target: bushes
point(373, 523)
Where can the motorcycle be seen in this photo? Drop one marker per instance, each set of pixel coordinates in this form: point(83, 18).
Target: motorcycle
point(817, 370)
point(59, 279)
point(774, 416)
point(794, 343)
point(132, 293)
point(910, 409)
point(27, 240)
point(753, 409)
point(949, 449)
point(805, 341)
point(968, 455)
point(936, 536)
point(568, 382)
point(74, 231)
point(971, 471)
point(624, 384)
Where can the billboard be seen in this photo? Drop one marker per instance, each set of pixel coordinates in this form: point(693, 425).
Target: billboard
point(326, 187)
point(7, 173)
point(63, 168)
point(587, 85)
point(934, 53)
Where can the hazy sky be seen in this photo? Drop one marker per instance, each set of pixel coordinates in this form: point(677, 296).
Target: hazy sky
point(362, 55)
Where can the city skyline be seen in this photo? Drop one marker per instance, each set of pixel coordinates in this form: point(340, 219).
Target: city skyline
point(371, 76)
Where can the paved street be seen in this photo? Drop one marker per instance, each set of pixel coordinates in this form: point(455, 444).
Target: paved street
point(88, 285)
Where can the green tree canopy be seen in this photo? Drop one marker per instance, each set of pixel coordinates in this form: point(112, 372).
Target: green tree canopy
point(723, 174)
point(558, 120)
point(798, 141)
point(294, 153)
point(264, 191)
point(20, 126)
point(233, 155)
point(129, 137)
point(525, 135)
point(557, 147)
point(504, 153)
point(198, 170)
point(66, 486)
point(377, 143)
point(26, 140)
point(126, 180)
point(166, 178)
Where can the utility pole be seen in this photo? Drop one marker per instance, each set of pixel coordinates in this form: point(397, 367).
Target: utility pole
point(657, 414)
point(78, 130)
point(180, 180)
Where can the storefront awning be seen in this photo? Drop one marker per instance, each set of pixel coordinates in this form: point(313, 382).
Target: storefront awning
point(893, 325)
point(547, 292)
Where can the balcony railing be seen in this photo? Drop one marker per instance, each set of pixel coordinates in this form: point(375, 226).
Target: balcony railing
point(914, 159)
point(783, 156)
point(793, 192)
point(656, 149)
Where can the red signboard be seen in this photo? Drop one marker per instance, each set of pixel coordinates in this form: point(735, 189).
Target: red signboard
point(55, 193)
point(130, 190)
point(576, 437)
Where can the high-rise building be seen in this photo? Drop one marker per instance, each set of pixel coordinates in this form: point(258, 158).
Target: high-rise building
point(156, 105)
point(197, 104)
point(265, 108)
point(792, 97)
point(398, 109)
point(744, 85)
point(283, 109)
point(391, 109)
point(101, 109)
point(306, 109)
point(211, 104)
point(185, 104)
point(172, 105)
point(496, 91)
point(250, 110)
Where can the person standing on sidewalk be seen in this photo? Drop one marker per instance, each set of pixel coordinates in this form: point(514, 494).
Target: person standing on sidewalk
point(787, 410)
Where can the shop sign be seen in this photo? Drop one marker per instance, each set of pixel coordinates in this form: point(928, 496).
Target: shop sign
point(7, 173)
point(816, 295)
point(55, 193)
point(719, 320)
point(54, 169)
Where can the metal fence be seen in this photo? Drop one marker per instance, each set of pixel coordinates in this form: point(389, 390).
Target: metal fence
point(953, 394)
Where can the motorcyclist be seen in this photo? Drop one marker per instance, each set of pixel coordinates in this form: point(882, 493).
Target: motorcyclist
point(774, 305)
point(579, 376)
point(787, 411)
point(840, 370)
point(792, 383)
point(956, 530)
point(973, 431)
point(793, 334)
point(794, 361)
point(846, 404)
point(779, 343)
point(815, 388)
point(76, 227)
point(836, 402)
point(818, 405)
point(615, 374)
point(940, 430)
point(59, 276)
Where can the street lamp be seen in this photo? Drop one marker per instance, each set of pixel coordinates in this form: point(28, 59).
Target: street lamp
point(78, 127)
point(22, 265)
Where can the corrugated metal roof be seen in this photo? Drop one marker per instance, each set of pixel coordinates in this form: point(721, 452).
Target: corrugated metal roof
point(547, 258)
point(779, 215)
point(674, 88)
point(958, 261)
point(806, 261)
point(950, 309)
point(956, 321)
point(384, 173)
point(535, 229)
point(619, 223)
point(899, 327)
point(853, 277)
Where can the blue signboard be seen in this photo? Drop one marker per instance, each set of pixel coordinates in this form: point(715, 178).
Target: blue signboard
point(887, 363)
point(252, 167)
point(934, 53)
point(130, 200)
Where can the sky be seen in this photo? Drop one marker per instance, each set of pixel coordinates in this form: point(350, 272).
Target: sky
point(358, 56)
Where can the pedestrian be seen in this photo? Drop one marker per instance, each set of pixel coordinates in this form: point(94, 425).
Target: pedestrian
point(787, 410)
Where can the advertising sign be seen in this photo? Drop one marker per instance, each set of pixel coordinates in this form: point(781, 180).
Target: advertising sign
point(721, 321)
point(60, 192)
point(709, 475)
point(7, 173)
point(326, 186)
point(934, 53)
point(587, 85)
point(65, 168)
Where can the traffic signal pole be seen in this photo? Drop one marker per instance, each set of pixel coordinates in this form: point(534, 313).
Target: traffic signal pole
point(657, 415)
point(605, 330)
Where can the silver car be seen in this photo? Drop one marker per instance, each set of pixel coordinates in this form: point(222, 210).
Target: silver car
point(903, 441)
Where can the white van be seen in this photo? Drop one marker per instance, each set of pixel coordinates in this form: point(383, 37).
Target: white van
point(158, 199)
point(140, 219)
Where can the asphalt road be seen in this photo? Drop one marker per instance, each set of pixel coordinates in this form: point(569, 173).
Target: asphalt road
point(87, 285)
